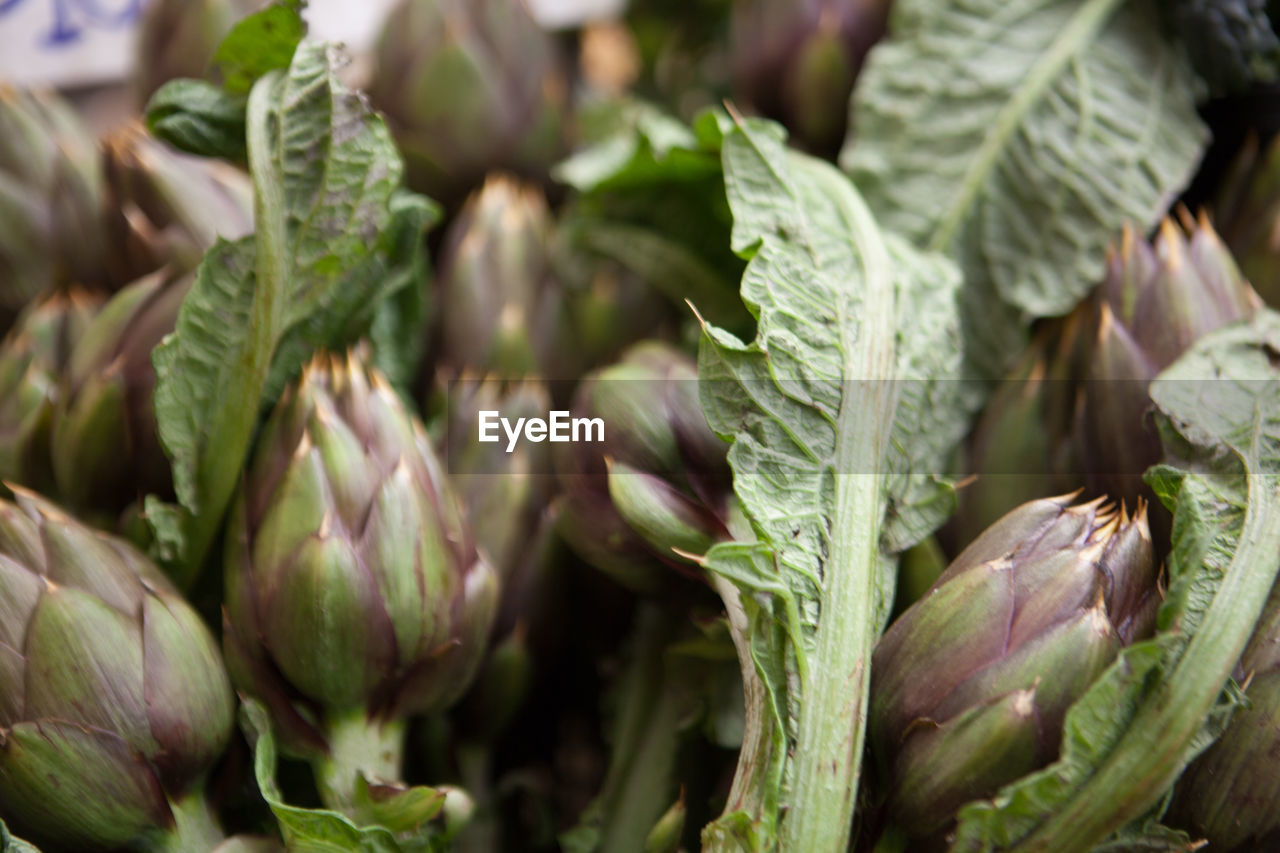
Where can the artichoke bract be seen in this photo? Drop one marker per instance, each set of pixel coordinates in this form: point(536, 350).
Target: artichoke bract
point(106, 450)
point(502, 310)
point(162, 207)
point(32, 360)
point(177, 38)
point(469, 86)
point(1230, 795)
point(113, 697)
point(796, 61)
point(970, 686)
point(355, 594)
point(50, 186)
point(1247, 214)
point(658, 486)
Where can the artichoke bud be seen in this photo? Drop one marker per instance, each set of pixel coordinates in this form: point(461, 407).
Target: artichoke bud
point(353, 582)
point(50, 186)
point(669, 489)
point(178, 38)
point(1230, 795)
point(1247, 215)
point(502, 307)
point(113, 697)
point(666, 833)
point(797, 61)
point(970, 686)
point(106, 451)
point(165, 207)
point(32, 359)
point(468, 87)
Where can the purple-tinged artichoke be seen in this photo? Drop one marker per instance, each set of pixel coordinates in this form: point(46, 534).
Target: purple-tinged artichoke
point(177, 38)
point(1230, 796)
point(796, 61)
point(355, 595)
point(162, 207)
point(469, 86)
point(113, 697)
point(106, 450)
point(970, 686)
point(658, 485)
point(1247, 215)
point(32, 360)
point(49, 198)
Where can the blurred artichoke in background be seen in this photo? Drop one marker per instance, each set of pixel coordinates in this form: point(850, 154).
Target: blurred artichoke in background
point(970, 686)
point(1247, 215)
point(32, 360)
point(796, 61)
point(164, 207)
point(49, 198)
point(355, 595)
point(113, 697)
point(106, 451)
point(469, 86)
point(1230, 795)
point(177, 38)
point(503, 310)
point(658, 481)
point(1075, 412)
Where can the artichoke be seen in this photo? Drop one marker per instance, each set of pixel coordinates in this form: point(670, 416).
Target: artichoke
point(1230, 795)
point(106, 450)
point(32, 360)
point(502, 309)
point(355, 595)
point(164, 207)
point(177, 38)
point(796, 60)
point(113, 697)
point(469, 86)
point(1247, 215)
point(658, 486)
point(1075, 410)
point(970, 686)
point(49, 198)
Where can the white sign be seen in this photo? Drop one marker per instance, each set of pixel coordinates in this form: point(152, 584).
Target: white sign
point(82, 42)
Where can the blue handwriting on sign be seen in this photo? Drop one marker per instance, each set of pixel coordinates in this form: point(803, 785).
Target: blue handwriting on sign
point(72, 18)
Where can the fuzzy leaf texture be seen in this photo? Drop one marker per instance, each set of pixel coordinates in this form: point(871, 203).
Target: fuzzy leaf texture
point(831, 414)
point(316, 830)
point(1018, 136)
point(12, 844)
point(334, 237)
point(1163, 701)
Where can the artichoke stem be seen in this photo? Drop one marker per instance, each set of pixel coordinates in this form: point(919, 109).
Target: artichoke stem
point(195, 827)
point(358, 747)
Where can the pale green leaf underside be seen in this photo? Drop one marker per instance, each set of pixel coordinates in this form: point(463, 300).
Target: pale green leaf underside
point(1019, 135)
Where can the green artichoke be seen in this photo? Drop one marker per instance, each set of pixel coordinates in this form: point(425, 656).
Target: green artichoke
point(49, 198)
point(1230, 795)
point(970, 686)
point(355, 595)
point(469, 86)
point(503, 311)
point(113, 697)
point(658, 486)
point(164, 207)
point(177, 38)
point(32, 360)
point(796, 60)
point(1247, 215)
point(106, 451)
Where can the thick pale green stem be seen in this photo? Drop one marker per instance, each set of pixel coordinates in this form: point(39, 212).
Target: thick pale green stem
point(1149, 758)
point(358, 747)
point(195, 829)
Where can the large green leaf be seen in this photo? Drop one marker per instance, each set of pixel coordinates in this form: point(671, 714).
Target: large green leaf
point(829, 412)
point(1129, 737)
point(1018, 136)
